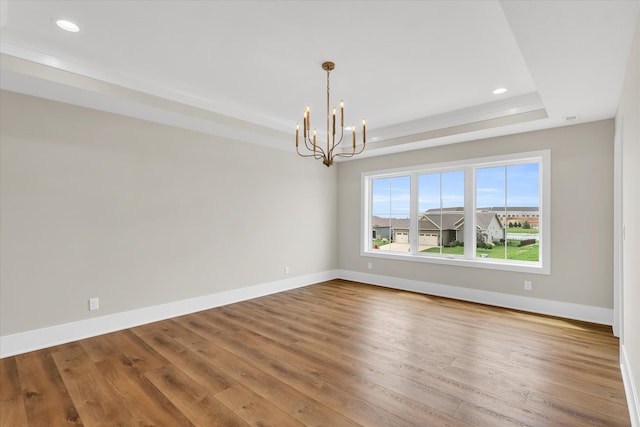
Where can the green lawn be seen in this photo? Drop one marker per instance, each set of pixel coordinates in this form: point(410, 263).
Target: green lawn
point(523, 230)
point(525, 253)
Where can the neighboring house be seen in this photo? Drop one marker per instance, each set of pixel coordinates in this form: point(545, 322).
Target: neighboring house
point(487, 222)
point(490, 225)
point(516, 214)
point(386, 228)
point(435, 229)
point(441, 228)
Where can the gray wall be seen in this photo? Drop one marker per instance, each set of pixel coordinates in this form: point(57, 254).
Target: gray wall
point(139, 214)
point(581, 216)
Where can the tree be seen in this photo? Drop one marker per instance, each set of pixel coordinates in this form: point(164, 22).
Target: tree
point(526, 225)
point(481, 239)
point(510, 224)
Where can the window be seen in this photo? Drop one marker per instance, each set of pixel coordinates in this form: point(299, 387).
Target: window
point(490, 213)
point(389, 217)
point(500, 189)
point(440, 209)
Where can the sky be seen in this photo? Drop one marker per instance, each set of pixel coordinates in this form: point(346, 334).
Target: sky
point(391, 196)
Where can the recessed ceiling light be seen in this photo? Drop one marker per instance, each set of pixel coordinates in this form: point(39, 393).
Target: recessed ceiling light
point(67, 25)
point(499, 91)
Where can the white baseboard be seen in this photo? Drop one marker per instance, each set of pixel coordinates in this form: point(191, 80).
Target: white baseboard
point(541, 306)
point(633, 399)
point(59, 334)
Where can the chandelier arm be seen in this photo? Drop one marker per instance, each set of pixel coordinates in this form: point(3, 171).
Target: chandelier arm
point(353, 153)
point(316, 156)
point(345, 155)
point(335, 145)
point(308, 144)
point(302, 155)
point(319, 152)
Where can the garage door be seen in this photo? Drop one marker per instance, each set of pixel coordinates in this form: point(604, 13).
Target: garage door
point(427, 239)
point(402, 237)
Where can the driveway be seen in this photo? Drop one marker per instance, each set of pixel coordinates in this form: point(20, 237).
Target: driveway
point(402, 247)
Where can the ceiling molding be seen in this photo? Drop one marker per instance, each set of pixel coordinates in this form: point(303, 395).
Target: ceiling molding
point(496, 122)
point(454, 119)
point(35, 79)
point(558, 59)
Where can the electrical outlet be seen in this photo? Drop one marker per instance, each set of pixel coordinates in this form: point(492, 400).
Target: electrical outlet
point(527, 285)
point(94, 304)
point(286, 270)
point(370, 265)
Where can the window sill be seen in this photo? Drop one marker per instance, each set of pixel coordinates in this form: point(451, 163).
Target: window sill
point(458, 261)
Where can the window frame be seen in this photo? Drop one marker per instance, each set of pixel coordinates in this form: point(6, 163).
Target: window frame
point(469, 166)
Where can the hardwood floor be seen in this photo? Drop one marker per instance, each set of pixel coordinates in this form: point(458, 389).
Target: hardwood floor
point(333, 354)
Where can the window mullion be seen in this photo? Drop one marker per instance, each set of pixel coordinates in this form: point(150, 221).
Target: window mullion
point(366, 209)
point(469, 212)
point(414, 214)
point(441, 204)
point(506, 210)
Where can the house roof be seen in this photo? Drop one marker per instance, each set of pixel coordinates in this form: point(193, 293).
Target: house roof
point(488, 209)
point(510, 209)
point(432, 221)
point(438, 210)
point(389, 222)
point(483, 219)
point(446, 220)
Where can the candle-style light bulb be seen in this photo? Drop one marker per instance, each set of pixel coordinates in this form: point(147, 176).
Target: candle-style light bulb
point(364, 131)
point(341, 113)
point(308, 118)
point(353, 129)
point(334, 121)
point(314, 141)
point(297, 132)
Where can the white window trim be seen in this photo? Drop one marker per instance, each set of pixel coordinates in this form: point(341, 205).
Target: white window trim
point(543, 266)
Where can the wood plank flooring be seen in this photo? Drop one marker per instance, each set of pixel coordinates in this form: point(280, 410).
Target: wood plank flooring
point(332, 354)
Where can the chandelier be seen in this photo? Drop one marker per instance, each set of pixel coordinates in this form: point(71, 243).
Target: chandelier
point(330, 151)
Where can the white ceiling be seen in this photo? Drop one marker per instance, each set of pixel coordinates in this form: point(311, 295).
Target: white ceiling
point(421, 72)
